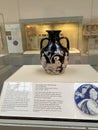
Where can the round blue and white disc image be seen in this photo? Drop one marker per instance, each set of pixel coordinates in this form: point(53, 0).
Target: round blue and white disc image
point(86, 98)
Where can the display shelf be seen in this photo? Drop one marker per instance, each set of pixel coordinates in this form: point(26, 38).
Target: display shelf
point(35, 73)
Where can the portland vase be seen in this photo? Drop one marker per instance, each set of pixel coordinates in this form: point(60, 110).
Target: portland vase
point(54, 56)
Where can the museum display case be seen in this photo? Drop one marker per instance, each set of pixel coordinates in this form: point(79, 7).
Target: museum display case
point(4, 67)
point(83, 37)
point(90, 34)
point(34, 30)
point(30, 98)
point(90, 38)
point(3, 43)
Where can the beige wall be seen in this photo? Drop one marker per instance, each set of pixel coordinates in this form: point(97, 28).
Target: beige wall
point(14, 10)
point(54, 8)
point(9, 9)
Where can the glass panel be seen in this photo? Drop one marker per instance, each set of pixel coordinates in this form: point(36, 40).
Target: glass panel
point(3, 45)
point(3, 52)
point(92, 37)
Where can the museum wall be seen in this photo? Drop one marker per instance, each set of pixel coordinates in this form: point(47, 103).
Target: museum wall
point(54, 8)
point(9, 9)
point(14, 10)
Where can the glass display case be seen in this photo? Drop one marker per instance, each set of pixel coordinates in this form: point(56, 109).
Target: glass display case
point(90, 38)
point(4, 68)
point(3, 43)
point(33, 31)
point(90, 33)
point(83, 39)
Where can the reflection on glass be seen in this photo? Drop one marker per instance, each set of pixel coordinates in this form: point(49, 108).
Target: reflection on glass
point(3, 44)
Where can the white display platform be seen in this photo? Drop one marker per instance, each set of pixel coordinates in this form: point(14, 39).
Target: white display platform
point(65, 84)
point(73, 73)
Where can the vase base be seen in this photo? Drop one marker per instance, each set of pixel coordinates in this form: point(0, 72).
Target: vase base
point(54, 72)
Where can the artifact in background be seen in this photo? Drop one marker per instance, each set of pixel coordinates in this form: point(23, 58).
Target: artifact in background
point(54, 57)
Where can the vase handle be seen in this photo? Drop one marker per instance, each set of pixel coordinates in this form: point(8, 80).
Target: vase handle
point(68, 45)
point(41, 43)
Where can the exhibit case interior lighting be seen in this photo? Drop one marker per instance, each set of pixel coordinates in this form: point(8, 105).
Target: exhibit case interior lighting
point(33, 30)
point(90, 36)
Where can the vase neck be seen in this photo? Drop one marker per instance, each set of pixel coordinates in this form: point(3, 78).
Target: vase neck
point(53, 35)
